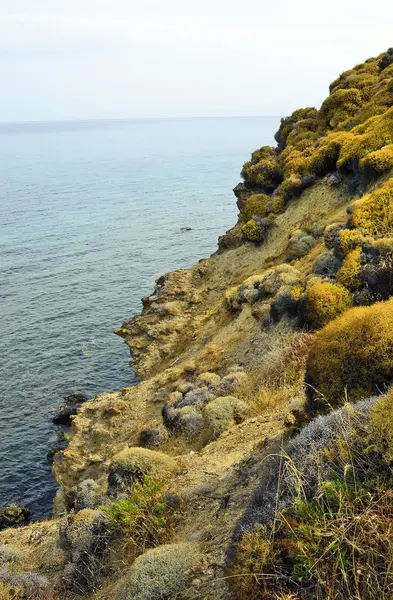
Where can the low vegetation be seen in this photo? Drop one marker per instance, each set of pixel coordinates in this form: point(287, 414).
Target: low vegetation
point(352, 357)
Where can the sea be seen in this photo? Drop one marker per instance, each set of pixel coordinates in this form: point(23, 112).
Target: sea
point(91, 213)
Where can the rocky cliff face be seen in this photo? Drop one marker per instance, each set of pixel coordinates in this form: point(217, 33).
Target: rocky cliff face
point(226, 351)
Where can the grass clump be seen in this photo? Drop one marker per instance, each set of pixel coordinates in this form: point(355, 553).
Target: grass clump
point(374, 213)
point(222, 413)
point(340, 541)
point(324, 302)
point(160, 573)
point(255, 206)
point(255, 557)
point(352, 357)
point(143, 518)
point(348, 274)
point(323, 528)
point(133, 464)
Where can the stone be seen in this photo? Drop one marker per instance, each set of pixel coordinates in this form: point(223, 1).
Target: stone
point(13, 515)
point(332, 180)
point(64, 413)
point(76, 398)
point(53, 451)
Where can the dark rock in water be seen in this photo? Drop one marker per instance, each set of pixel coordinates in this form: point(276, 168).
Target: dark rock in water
point(13, 515)
point(76, 398)
point(65, 411)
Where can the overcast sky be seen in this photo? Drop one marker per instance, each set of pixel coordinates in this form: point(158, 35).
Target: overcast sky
point(163, 58)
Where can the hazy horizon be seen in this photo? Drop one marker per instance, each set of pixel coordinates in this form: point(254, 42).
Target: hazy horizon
point(101, 59)
point(111, 119)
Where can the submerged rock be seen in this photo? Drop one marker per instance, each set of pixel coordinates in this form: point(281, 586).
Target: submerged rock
point(69, 408)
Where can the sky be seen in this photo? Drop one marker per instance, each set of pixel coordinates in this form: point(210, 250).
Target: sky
point(88, 59)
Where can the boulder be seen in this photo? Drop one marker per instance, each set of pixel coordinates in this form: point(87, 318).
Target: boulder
point(13, 515)
point(64, 413)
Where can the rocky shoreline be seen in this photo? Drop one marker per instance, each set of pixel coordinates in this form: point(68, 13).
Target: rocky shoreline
point(228, 469)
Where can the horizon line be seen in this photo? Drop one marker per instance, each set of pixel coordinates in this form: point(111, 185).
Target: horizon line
point(119, 119)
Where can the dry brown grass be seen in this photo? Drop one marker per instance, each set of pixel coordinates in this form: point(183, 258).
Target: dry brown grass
point(280, 377)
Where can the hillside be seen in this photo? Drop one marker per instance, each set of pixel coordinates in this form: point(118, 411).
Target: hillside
point(254, 458)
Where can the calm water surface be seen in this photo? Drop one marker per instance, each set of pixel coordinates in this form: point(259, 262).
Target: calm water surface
point(90, 214)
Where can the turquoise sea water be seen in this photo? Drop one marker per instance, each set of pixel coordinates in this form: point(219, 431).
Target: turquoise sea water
point(90, 214)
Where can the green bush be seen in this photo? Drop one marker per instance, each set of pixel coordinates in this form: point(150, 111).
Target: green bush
point(263, 170)
point(352, 357)
point(255, 206)
point(324, 302)
point(256, 230)
point(142, 517)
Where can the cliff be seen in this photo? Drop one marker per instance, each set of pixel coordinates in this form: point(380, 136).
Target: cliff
point(241, 357)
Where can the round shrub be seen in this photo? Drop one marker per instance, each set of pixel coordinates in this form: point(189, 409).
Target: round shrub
point(300, 243)
point(87, 494)
point(352, 356)
point(133, 464)
point(153, 437)
point(252, 231)
point(255, 206)
point(256, 230)
point(278, 205)
point(332, 235)
point(324, 302)
point(377, 276)
point(262, 170)
point(327, 264)
point(196, 397)
point(232, 381)
point(222, 413)
point(210, 380)
point(348, 275)
point(348, 240)
point(190, 421)
point(374, 214)
point(285, 303)
point(85, 537)
point(259, 287)
point(382, 422)
point(340, 105)
point(159, 573)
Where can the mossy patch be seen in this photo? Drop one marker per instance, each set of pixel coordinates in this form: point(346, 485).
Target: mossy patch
point(348, 274)
point(374, 214)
